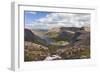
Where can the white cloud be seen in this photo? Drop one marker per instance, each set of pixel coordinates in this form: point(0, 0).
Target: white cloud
point(62, 19)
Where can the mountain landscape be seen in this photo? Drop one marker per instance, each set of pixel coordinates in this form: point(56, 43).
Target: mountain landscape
point(58, 43)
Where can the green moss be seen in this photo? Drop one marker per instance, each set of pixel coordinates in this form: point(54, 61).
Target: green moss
point(40, 42)
point(53, 35)
point(52, 48)
point(86, 53)
point(28, 56)
point(61, 43)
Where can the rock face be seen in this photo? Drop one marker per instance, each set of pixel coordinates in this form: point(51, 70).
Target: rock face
point(83, 41)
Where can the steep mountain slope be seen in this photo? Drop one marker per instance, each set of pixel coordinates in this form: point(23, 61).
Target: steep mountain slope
point(31, 37)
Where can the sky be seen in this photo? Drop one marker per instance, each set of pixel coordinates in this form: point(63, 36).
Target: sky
point(47, 20)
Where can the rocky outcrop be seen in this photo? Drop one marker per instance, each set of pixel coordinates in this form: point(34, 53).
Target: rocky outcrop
point(53, 57)
point(34, 52)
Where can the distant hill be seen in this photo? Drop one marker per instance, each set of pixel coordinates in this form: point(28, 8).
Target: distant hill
point(64, 33)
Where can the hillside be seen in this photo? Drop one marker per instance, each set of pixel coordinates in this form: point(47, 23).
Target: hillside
point(57, 43)
point(31, 37)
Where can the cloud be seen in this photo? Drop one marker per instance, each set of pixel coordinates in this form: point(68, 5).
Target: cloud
point(31, 12)
point(36, 25)
point(62, 20)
